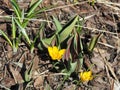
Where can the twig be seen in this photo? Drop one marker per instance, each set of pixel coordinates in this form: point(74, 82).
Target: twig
point(69, 5)
point(95, 29)
point(2, 86)
point(108, 66)
point(110, 46)
point(33, 19)
point(106, 2)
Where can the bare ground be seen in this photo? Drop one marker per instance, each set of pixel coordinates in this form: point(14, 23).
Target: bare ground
point(103, 16)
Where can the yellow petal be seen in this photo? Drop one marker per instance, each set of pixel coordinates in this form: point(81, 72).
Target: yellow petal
point(62, 51)
point(54, 53)
point(50, 50)
point(86, 76)
point(55, 49)
point(89, 73)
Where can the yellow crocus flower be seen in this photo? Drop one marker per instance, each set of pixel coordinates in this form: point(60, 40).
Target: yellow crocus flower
point(55, 53)
point(86, 76)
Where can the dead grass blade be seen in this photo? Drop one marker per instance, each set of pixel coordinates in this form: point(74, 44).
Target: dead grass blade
point(108, 66)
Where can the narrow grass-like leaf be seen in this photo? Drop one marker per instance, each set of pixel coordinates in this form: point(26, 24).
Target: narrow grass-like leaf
point(80, 61)
point(27, 19)
point(80, 24)
point(34, 41)
point(13, 29)
point(14, 46)
point(32, 2)
point(81, 46)
point(75, 46)
point(22, 16)
point(57, 40)
point(41, 10)
point(16, 8)
point(31, 47)
point(93, 42)
point(80, 56)
point(17, 40)
point(66, 31)
point(23, 31)
point(6, 37)
point(33, 7)
point(57, 24)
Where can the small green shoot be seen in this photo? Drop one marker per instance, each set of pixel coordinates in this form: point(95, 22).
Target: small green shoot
point(93, 42)
point(6, 37)
point(28, 72)
point(23, 18)
point(17, 9)
point(14, 41)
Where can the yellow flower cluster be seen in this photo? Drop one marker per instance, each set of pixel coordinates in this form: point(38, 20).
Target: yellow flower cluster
point(55, 53)
point(86, 76)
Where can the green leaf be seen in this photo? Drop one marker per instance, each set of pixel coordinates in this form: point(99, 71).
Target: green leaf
point(23, 31)
point(72, 67)
point(81, 45)
point(80, 56)
point(15, 45)
point(32, 47)
point(28, 17)
point(80, 24)
point(22, 15)
point(16, 8)
point(16, 42)
point(32, 2)
point(6, 37)
point(41, 46)
point(28, 73)
point(80, 61)
point(48, 41)
point(13, 29)
point(93, 42)
point(34, 41)
point(66, 31)
point(33, 7)
point(57, 24)
point(76, 43)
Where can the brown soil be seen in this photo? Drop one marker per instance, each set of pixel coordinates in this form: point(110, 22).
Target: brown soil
point(103, 16)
